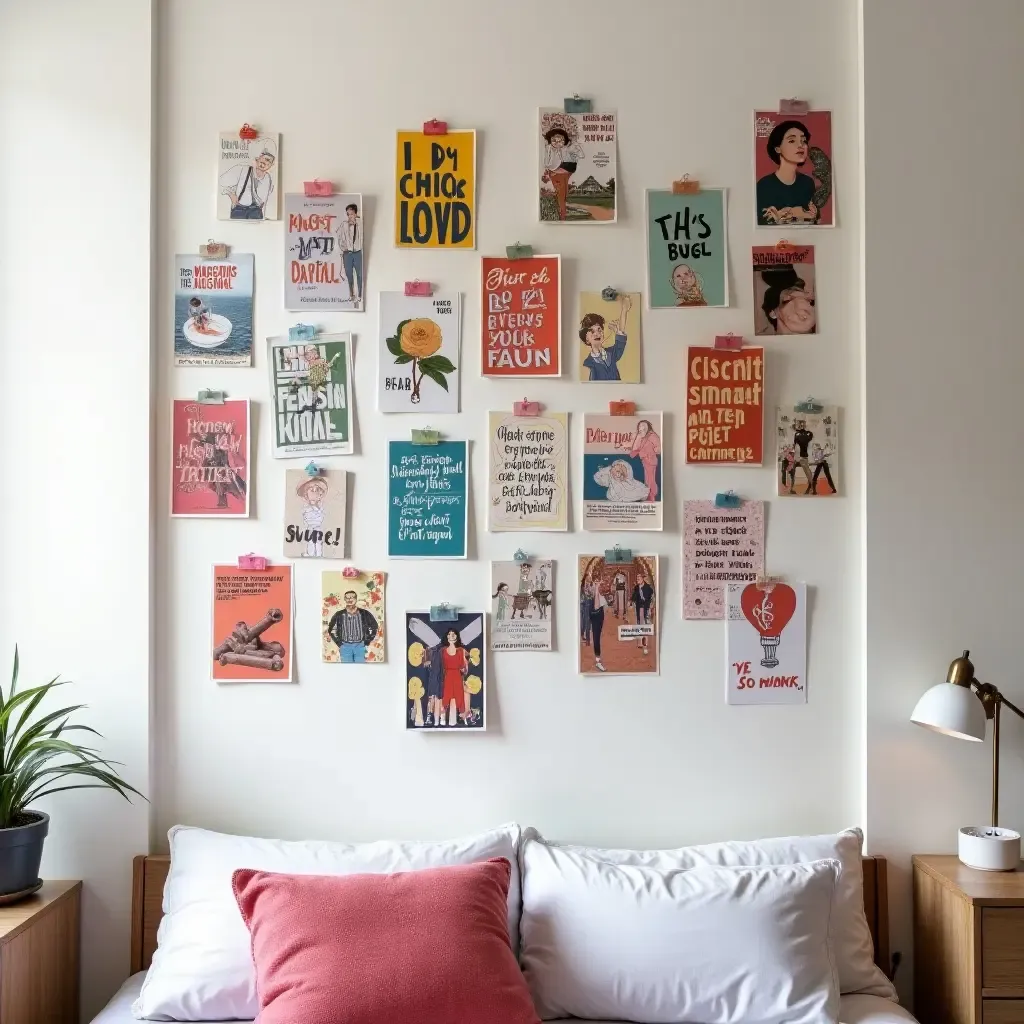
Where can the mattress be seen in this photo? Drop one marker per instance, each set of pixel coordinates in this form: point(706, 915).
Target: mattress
point(852, 1009)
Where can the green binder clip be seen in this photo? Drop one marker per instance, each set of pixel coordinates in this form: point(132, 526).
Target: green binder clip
point(210, 397)
point(617, 555)
point(808, 406)
point(426, 436)
point(518, 252)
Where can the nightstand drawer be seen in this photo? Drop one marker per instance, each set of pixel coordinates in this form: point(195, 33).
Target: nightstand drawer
point(1003, 1011)
point(1002, 950)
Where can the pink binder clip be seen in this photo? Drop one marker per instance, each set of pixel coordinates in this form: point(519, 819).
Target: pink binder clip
point(251, 561)
point(435, 127)
point(526, 408)
point(798, 107)
point(728, 341)
point(418, 288)
point(350, 572)
point(316, 187)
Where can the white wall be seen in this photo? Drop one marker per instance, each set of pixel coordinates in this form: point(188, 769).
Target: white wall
point(627, 760)
point(75, 524)
point(944, 199)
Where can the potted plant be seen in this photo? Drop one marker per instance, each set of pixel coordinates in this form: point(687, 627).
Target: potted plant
point(37, 759)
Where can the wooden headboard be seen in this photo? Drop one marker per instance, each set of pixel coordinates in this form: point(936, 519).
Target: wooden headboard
point(149, 874)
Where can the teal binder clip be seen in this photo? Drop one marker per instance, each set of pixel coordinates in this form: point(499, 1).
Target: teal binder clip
point(617, 555)
point(809, 406)
point(521, 555)
point(574, 104)
point(518, 252)
point(443, 612)
point(312, 469)
point(301, 332)
point(210, 397)
point(728, 500)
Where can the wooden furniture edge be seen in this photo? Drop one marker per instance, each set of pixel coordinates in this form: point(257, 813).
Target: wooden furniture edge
point(921, 861)
point(74, 887)
point(150, 872)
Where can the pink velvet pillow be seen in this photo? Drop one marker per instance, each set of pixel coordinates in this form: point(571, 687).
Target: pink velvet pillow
point(416, 947)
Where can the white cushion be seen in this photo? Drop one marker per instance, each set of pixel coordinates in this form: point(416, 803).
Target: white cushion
point(202, 968)
point(855, 957)
point(710, 945)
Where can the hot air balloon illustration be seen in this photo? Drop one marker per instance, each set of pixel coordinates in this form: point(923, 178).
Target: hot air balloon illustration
point(768, 609)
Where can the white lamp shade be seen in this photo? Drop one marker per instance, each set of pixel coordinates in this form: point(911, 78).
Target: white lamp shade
point(953, 710)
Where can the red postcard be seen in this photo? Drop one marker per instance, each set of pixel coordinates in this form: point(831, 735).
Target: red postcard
point(209, 458)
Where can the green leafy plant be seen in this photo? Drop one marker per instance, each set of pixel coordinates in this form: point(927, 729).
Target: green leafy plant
point(36, 758)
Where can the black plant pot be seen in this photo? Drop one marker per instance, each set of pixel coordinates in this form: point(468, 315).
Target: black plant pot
point(21, 849)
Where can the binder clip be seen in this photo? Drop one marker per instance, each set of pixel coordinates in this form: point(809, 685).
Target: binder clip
point(247, 132)
point(312, 469)
point(316, 187)
point(213, 250)
point(518, 252)
point(252, 561)
point(621, 408)
point(350, 572)
point(443, 612)
point(783, 245)
point(685, 186)
point(419, 287)
point(728, 499)
point(435, 127)
point(797, 107)
point(301, 332)
point(807, 406)
point(764, 582)
point(206, 397)
point(618, 555)
point(729, 341)
point(575, 104)
point(526, 408)
point(425, 436)
point(609, 294)
point(521, 556)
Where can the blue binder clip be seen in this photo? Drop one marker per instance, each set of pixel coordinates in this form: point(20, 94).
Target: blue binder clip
point(521, 555)
point(574, 104)
point(301, 332)
point(728, 500)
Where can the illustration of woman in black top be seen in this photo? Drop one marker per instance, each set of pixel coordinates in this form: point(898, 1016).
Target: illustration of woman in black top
point(641, 598)
point(562, 155)
point(787, 196)
point(802, 438)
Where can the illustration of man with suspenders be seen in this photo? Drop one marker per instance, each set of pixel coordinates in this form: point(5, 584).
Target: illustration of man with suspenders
point(250, 186)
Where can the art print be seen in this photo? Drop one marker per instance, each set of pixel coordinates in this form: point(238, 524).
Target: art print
point(522, 602)
point(419, 352)
point(528, 472)
point(793, 169)
point(609, 338)
point(807, 451)
point(619, 615)
point(323, 252)
point(252, 624)
point(622, 472)
point(785, 300)
point(444, 671)
point(247, 177)
point(314, 513)
point(311, 382)
point(352, 619)
point(766, 644)
point(428, 499)
point(521, 302)
point(435, 190)
point(687, 249)
point(720, 546)
point(213, 311)
point(724, 406)
point(210, 458)
point(577, 167)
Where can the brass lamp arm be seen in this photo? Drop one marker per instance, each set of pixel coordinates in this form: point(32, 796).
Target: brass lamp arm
point(990, 697)
point(992, 700)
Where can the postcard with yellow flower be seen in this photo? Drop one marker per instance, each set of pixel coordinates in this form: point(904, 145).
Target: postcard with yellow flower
point(444, 671)
point(352, 617)
point(419, 356)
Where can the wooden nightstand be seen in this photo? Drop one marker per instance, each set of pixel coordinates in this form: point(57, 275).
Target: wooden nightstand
point(968, 943)
point(39, 957)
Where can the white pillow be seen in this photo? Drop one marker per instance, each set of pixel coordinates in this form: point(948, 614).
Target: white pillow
point(741, 945)
point(855, 955)
point(202, 968)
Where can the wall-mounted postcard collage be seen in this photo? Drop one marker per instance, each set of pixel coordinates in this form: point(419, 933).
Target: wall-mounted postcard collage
point(422, 366)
